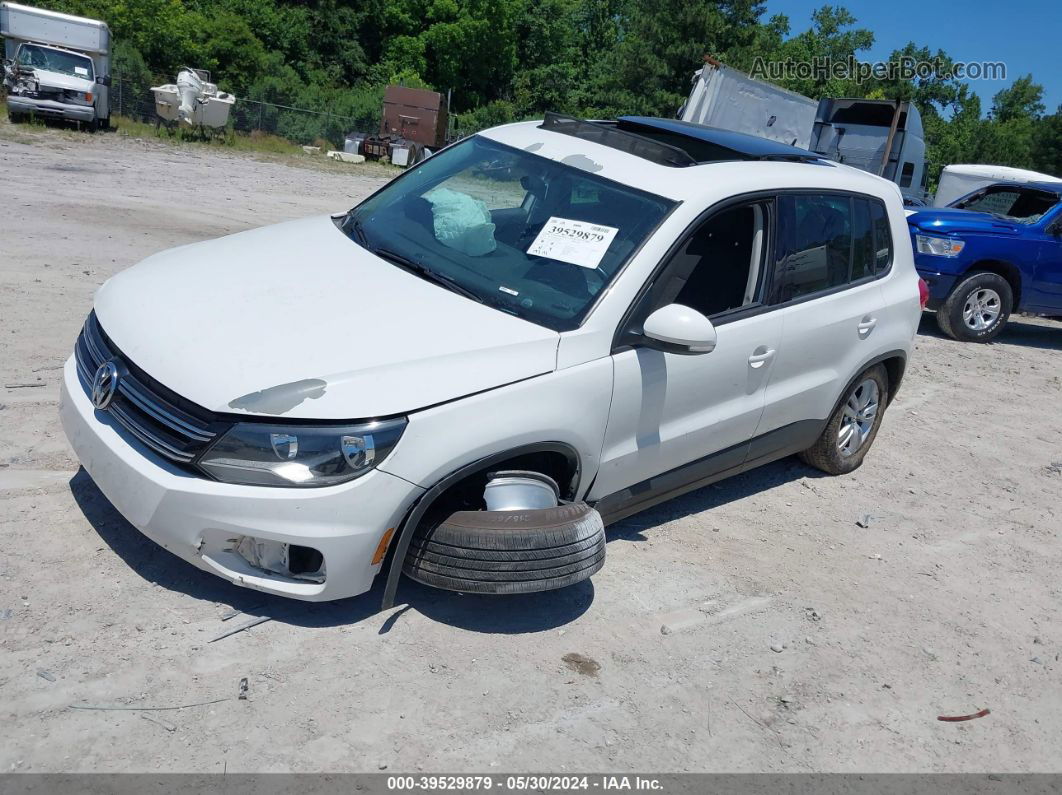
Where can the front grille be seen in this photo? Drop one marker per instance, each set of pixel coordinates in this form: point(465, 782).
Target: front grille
point(139, 405)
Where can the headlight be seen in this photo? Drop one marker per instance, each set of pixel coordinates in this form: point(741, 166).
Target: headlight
point(77, 97)
point(259, 454)
point(939, 246)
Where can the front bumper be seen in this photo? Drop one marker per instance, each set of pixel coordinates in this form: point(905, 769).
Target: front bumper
point(50, 108)
point(198, 519)
point(940, 284)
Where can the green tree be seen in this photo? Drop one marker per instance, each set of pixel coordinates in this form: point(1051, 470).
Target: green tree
point(1047, 144)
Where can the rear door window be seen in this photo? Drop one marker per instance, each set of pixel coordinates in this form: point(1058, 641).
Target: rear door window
point(826, 241)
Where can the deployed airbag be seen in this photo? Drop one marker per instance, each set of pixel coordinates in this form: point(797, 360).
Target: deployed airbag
point(462, 222)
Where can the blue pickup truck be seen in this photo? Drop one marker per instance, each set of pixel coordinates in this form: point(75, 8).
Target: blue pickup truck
point(992, 252)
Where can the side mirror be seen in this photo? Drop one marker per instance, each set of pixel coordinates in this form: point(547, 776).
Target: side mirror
point(679, 329)
point(104, 80)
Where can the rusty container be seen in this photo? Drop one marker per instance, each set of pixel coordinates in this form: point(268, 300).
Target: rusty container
point(415, 114)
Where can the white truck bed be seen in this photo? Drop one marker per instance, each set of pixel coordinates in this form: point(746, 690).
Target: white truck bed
point(24, 23)
point(726, 98)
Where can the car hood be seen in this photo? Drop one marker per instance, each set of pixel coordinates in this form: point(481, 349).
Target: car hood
point(949, 220)
point(66, 82)
point(297, 320)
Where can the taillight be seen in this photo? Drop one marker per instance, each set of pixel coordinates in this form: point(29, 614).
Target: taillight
point(923, 293)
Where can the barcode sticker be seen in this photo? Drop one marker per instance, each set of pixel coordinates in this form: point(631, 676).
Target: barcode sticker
point(576, 242)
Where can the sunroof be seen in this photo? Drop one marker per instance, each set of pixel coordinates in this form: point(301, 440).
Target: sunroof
point(671, 142)
point(607, 134)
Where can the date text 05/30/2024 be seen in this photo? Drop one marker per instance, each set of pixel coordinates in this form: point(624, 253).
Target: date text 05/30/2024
point(520, 783)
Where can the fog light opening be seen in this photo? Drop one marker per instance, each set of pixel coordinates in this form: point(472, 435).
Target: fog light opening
point(305, 561)
point(286, 560)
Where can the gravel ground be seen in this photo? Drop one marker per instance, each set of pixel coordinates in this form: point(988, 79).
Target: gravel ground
point(754, 625)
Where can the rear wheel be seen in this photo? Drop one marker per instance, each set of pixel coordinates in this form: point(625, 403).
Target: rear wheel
point(977, 309)
point(851, 430)
point(503, 552)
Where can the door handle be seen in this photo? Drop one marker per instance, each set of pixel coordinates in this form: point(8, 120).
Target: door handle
point(760, 357)
point(866, 325)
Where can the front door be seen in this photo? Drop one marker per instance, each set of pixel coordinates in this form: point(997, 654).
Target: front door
point(1046, 293)
point(669, 410)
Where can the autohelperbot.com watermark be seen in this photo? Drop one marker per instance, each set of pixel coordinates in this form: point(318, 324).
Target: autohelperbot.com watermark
point(822, 68)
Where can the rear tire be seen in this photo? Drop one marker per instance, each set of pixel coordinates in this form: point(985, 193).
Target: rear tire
point(977, 308)
point(505, 552)
point(851, 430)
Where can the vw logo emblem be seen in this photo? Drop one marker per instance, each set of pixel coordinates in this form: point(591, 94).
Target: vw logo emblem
point(104, 385)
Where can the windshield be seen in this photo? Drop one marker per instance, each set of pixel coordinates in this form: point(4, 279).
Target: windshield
point(523, 234)
point(1023, 205)
point(66, 63)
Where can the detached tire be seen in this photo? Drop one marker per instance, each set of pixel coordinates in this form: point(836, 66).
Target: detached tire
point(506, 552)
point(977, 309)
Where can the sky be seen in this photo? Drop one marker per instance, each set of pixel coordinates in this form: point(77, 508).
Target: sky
point(1024, 34)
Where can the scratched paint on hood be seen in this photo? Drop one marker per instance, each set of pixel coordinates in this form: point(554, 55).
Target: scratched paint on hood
point(282, 398)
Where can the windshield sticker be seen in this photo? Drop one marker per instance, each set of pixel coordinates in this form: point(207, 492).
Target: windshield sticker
point(575, 242)
point(81, 70)
point(509, 290)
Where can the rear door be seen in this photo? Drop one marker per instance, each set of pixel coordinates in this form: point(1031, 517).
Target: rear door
point(831, 250)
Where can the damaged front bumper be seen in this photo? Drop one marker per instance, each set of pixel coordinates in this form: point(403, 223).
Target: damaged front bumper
point(221, 528)
point(50, 108)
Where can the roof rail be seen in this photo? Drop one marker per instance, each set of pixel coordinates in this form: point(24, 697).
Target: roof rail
point(609, 135)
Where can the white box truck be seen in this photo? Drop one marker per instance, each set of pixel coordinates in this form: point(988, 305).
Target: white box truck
point(725, 98)
point(56, 65)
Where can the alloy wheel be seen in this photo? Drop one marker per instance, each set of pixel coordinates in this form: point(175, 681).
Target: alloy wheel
point(982, 309)
point(860, 411)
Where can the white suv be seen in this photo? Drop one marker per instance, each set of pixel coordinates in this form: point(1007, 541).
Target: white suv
point(537, 331)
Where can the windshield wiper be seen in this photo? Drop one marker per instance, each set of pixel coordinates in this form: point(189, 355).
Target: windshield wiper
point(352, 222)
point(425, 272)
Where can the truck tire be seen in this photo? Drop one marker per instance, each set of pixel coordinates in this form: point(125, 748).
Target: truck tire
point(507, 552)
point(15, 118)
point(977, 308)
point(851, 430)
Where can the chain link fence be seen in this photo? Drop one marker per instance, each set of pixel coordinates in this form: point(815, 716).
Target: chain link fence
point(133, 99)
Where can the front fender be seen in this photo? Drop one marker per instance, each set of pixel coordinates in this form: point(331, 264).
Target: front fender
point(567, 408)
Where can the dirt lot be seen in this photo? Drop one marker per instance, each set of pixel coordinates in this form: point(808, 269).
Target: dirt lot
point(946, 603)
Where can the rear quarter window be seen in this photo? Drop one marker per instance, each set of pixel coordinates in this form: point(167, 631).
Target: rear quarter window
point(882, 236)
